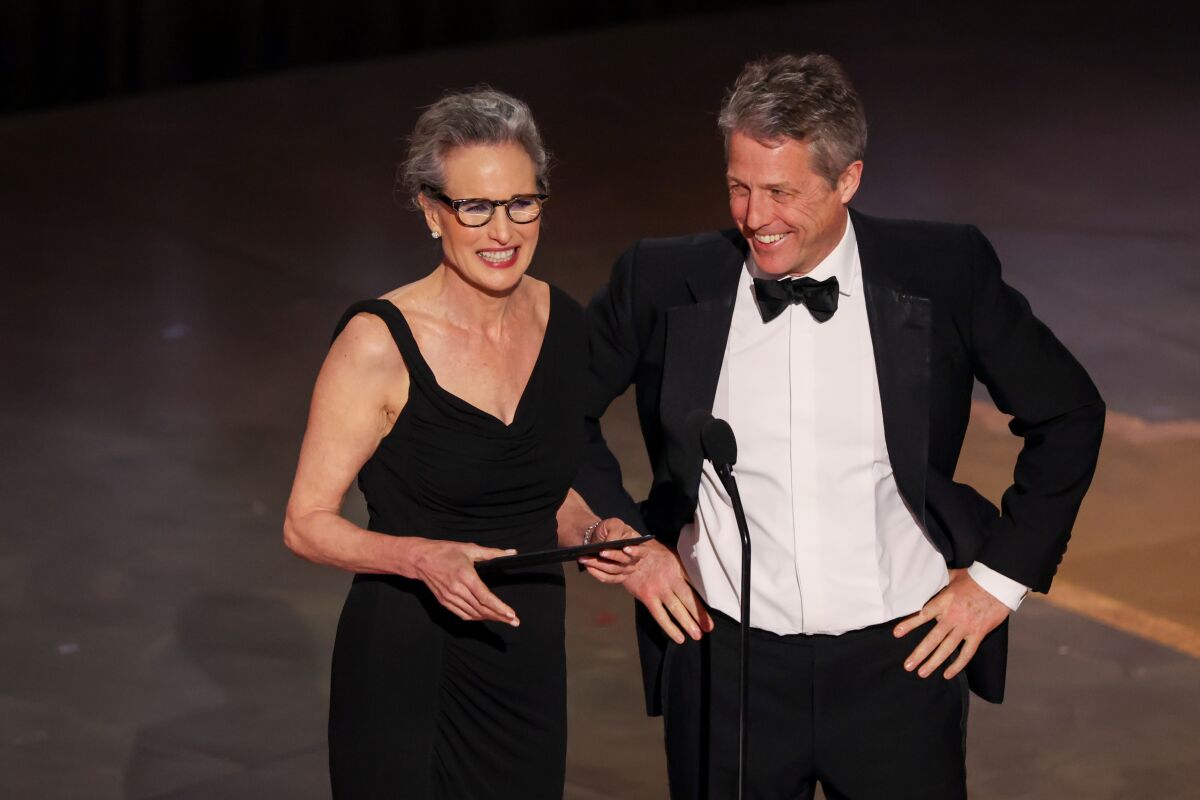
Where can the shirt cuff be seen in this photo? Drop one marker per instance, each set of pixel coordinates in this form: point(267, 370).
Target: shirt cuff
point(1001, 587)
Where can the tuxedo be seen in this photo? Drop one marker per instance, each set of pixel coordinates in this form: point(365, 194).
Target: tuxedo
point(940, 317)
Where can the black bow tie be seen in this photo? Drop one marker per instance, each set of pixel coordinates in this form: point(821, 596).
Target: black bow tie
point(820, 297)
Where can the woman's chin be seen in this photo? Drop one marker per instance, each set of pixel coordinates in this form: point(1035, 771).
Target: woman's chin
point(498, 281)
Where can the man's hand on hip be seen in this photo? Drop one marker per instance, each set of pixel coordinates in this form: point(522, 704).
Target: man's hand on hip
point(965, 613)
point(661, 585)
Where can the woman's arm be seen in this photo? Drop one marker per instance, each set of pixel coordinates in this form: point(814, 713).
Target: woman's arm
point(361, 389)
point(576, 519)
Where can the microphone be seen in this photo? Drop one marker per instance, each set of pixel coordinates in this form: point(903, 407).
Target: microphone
point(716, 439)
point(719, 446)
point(718, 442)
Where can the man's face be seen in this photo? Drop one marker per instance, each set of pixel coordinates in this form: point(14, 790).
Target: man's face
point(789, 214)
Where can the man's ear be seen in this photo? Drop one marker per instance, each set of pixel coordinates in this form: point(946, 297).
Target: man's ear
point(848, 181)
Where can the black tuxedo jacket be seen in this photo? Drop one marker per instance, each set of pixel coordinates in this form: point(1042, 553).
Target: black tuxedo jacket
point(940, 318)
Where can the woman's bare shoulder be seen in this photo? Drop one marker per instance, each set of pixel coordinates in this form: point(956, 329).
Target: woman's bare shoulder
point(366, 343)
point(417, 302)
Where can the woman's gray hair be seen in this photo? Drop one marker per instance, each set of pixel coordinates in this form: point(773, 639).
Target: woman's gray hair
point(481, 115)
point(806, 98)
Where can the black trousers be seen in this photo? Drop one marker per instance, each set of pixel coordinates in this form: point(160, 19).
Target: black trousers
point(838, 710)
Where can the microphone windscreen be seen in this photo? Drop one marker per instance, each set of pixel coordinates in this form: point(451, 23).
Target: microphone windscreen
point(718, 442)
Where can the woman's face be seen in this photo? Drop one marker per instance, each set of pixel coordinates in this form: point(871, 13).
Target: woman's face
point(494, 256)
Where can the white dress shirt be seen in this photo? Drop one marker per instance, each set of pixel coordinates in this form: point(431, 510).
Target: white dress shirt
point(834, 547)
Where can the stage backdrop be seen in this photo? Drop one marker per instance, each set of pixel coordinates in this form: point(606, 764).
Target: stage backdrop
point(54, 52)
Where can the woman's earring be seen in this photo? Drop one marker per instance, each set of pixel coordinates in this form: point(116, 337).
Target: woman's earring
point(435, 234)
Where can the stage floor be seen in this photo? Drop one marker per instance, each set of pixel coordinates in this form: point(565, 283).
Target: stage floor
point(174, 265)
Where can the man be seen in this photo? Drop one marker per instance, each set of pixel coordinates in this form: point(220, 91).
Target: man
point(842, 349)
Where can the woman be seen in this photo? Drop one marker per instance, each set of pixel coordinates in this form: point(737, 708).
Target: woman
point(457, 402)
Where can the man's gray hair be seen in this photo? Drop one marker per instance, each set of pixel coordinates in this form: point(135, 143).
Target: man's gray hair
point(478, 116)
point(806, 98)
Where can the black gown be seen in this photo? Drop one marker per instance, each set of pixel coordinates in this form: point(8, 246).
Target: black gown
point(422, 704)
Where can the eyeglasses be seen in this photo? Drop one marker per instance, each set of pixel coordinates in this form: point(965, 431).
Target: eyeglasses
point(477, 212)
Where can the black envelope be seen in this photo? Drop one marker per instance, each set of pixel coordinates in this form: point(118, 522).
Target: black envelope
point(556, 555)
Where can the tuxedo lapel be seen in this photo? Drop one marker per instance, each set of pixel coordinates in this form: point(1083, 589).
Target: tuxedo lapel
point(696, 334)
point(901, 326)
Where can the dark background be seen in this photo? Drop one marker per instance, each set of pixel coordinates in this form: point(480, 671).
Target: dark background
point(174, 258)
point(66, 51)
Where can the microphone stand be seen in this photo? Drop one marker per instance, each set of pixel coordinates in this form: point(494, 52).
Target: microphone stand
point(719, 446)
point(725, 473)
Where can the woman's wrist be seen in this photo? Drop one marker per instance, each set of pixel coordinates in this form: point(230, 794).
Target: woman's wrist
point(589, 532)
point(409, 554)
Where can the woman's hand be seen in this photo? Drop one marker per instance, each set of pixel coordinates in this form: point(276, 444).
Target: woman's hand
point(613, 566)
point(448, 569)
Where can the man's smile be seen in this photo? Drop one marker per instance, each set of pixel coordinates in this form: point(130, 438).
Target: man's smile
point(770, 238)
